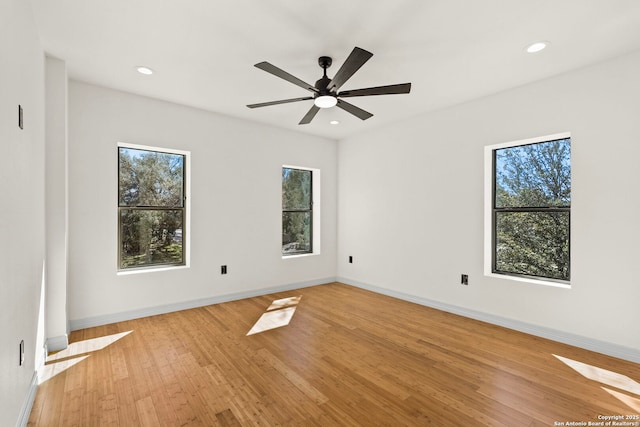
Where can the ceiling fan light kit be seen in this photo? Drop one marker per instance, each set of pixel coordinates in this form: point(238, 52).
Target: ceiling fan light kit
point(325, 101)
point(325, 91)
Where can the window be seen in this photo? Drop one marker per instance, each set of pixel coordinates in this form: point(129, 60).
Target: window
point(297, 211)
point(531, 208)
point(151, 207)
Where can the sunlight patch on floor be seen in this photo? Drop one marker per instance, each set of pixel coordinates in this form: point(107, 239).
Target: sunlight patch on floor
point(50, 371)
point(631, 402)
point(610, 378)
point(277, 315)
point(75, 353)
point(284, 302)
point(86, 346)
point(604, 376)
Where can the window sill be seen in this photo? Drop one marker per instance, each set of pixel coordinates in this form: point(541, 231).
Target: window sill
point(299, 255)
point(150, 270)
point(528, 280)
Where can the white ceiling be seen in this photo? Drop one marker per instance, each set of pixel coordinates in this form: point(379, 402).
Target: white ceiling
point(452, 51)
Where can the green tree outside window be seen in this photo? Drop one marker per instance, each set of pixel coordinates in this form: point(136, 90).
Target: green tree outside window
point(297, 211)
point(532, 210)
point(151, 208)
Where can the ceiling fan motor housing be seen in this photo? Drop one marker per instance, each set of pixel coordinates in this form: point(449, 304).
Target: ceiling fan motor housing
point(321, 85)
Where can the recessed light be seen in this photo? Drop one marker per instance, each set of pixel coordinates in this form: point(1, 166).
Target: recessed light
point(334, 122)
point(144, 70)
point(537, 46)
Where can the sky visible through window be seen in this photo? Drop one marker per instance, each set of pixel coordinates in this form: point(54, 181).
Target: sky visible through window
point(534, 173)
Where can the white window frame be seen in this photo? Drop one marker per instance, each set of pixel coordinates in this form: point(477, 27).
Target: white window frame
point(186, 230)
point(315, 220)
point(488, 210)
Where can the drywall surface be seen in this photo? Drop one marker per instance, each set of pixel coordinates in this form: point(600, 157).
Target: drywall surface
point(22, 207)
point(411, 203)
point(235, 202)
point(56, 203)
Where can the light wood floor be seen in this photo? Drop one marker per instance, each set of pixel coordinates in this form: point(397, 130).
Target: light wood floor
point(349, 357)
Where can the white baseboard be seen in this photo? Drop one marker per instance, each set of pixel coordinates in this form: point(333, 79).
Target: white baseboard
point(591, 344)
point(90, 322)
point(27, 404)
point(57, 343)
point(603, 347)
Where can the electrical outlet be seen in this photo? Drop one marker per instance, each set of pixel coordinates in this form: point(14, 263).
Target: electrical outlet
point(223, 269)
point(464, 279)
point(350, 259)
point(21, 359)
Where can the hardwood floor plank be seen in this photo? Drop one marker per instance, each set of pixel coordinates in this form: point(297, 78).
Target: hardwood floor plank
point(348, 357)
point(227, 419)
point(118, 364)
point(296, 380)
point(147, 416)
point(125, 402)
point(108, 410)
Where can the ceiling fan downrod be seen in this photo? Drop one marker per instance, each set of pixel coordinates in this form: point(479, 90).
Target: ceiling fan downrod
point(321, 85)
point(324, 98)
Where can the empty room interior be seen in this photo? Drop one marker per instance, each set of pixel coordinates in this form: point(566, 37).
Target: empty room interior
point(320, 213)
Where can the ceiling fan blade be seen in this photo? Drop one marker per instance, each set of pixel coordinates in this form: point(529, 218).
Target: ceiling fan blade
point(310, 115)
point(356, 59)
point(379, 90)
point(283, 101)
point(356, 111)
point(272, 69)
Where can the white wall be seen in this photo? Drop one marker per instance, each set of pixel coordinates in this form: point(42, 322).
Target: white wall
point(21, 206)
point(411, 203)
point(56, 203)
point(235, 203)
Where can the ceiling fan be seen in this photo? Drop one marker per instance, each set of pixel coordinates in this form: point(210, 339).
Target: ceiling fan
point(325, 91)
